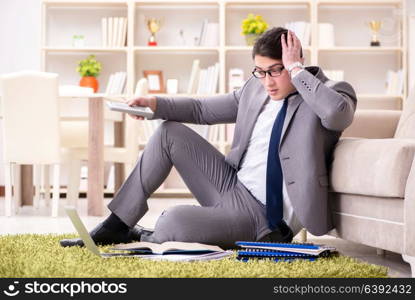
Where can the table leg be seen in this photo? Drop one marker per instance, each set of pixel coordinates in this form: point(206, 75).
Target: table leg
point(95, 192)
point(27, 184)
point(118, 142)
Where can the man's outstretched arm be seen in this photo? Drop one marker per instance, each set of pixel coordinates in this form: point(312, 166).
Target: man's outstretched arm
point(209, 110)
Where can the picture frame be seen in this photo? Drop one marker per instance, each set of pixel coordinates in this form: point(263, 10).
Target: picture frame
point(155, 81)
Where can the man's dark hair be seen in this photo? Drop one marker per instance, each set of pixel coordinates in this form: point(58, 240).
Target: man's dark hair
point(269, 44)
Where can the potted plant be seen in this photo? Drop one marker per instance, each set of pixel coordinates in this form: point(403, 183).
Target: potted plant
point(252, 27)
point(89, 69)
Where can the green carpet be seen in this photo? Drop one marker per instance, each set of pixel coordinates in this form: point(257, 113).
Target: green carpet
point(34, 255)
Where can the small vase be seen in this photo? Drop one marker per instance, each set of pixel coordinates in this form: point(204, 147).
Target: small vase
point(251, 38)
point(89, 81)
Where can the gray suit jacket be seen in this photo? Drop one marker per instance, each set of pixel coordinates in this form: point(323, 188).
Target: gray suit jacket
point(316, 116)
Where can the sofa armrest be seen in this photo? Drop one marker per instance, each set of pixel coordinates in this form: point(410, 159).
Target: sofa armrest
point(409, 214)
point(373, 124)
point(372, 167)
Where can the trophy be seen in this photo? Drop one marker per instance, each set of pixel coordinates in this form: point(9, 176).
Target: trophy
point(375, 27)
point(153, 26)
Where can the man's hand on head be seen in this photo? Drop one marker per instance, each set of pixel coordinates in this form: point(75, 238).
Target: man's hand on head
point(291, 50)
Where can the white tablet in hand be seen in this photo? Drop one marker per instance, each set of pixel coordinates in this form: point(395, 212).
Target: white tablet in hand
point(142, 111)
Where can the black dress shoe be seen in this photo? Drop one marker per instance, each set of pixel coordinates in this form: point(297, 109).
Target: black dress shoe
point(103, 236)
point(283, 234)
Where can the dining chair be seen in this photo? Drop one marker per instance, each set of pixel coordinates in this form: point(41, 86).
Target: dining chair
point(32, 135)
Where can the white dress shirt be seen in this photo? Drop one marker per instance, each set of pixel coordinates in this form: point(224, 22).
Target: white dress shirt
point(253, 171)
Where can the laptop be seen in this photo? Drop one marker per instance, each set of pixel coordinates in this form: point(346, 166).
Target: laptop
point(86, 237)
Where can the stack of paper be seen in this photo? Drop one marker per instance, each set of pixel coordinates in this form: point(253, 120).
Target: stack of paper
point(302, 30)
point(116, 83)
point(282, 251)
point(394, 82)
point(114, 32)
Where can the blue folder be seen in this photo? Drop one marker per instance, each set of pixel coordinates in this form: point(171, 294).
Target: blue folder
point(282, 251)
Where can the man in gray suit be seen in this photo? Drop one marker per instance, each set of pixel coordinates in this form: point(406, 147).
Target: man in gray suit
point(274, 180)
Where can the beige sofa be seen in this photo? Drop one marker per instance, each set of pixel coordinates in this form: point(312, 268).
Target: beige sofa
point(373, 181)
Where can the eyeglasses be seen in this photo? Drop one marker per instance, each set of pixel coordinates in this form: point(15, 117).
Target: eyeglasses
point(263, 74)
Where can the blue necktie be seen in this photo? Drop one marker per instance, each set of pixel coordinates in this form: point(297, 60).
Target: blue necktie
point(274, 172)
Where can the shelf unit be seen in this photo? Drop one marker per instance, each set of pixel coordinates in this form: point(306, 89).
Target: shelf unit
point(360, 62)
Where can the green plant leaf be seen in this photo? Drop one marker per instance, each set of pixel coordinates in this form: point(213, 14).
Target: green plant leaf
point(89, 67)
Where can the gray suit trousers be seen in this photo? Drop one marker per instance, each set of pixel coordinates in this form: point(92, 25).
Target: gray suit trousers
point(227, 211)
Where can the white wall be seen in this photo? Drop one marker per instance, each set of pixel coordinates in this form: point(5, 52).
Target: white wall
point(20, 46)
point(20, 35)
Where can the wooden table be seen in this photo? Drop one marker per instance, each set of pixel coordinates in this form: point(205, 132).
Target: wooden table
point(96, 164)
point(95, 192)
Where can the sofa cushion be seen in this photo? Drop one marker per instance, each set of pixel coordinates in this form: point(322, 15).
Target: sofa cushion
point(406, 125)
point(372, 167)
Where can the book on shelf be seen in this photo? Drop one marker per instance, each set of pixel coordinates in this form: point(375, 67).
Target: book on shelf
point(215, 78)
point(209, 34)
point(114, 37)
point(116, 83)
point(114, 31)
point(202, 81)
point(211, 38)
point(104, 32)
point(109, 31)
point(208, 80)
point(302, 30)
point(194, 77)
point(203, 32)
point(394, 82)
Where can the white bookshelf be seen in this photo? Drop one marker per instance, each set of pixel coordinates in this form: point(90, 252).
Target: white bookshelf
point(364, 67)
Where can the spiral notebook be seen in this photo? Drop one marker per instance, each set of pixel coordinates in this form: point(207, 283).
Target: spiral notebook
point(282, 251)
point(247, 254)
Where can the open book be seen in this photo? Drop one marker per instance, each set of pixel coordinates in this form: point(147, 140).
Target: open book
point(167, 248)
